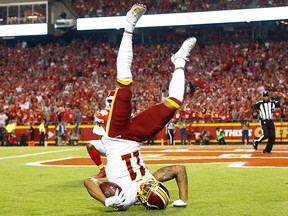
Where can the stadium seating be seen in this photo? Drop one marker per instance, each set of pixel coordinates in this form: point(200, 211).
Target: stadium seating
point(96, 8)
point(50, 80)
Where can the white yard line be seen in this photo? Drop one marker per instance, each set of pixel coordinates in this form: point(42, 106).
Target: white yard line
point(235, 156)
point(245, 155)
point(244, 150)
point(225, 155)
point(152, 155)
point(174, 150)
point(241, 165)
point(237, 164)
point(38, 153)
point(41, 163)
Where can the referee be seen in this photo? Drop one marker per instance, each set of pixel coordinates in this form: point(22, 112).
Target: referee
point(170, 131)
point(266, 108)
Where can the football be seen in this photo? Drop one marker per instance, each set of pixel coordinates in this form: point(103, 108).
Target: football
point(109, 188)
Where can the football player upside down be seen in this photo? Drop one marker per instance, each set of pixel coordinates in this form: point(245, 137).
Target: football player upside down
point(125, 134)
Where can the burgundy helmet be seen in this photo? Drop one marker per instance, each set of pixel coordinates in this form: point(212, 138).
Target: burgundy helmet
point(152, 194)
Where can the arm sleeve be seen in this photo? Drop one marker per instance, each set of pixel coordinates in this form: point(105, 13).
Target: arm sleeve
point(256, 106)
point(277, 104)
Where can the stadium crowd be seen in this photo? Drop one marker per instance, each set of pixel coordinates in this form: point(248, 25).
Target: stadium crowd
point(71, 81)
point(93, 8)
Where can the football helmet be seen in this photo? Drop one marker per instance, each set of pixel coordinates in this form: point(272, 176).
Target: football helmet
point(152, 194)
point(109, 99)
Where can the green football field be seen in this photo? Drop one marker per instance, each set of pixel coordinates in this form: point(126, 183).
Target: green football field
point(214, 189)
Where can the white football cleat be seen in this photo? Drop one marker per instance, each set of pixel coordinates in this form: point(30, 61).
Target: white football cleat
point(134, 14)
point(179, 203)
point(185, 49)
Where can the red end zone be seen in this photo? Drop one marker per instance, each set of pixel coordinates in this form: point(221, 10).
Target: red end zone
point(236, 156)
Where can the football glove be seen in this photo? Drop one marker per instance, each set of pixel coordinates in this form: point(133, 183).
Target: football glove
point(116, 200)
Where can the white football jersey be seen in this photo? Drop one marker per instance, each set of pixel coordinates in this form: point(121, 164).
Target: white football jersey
point(125, 166)
point(99, 145)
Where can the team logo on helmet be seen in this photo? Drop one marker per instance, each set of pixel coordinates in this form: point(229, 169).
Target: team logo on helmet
point(152, 194)
point(109, 99)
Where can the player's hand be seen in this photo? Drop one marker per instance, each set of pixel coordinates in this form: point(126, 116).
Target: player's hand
point(116, 200)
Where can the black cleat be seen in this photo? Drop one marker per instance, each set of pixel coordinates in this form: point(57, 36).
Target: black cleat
point(266, 152)
point(255, 145)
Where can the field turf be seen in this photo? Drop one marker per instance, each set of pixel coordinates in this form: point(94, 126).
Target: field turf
point(214, 189)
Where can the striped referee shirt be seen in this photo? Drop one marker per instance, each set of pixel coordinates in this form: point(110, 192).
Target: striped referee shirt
point(170, 125)
point(266, 109)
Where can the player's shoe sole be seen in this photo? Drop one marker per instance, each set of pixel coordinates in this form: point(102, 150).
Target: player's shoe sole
point(134, 14)
point(185, 49)
point(179, 203)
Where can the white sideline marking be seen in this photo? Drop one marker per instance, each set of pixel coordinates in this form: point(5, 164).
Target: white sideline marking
point(245, 156)
point(175, 150)
point(40, 163)
point(38, 153)
point(225, 155)
point(235, 156)
point(238, 150)
point(244, 150)
point(152, 155)
point(241, 165)
point(237, 164)
point(232, 165)
point(182, 150)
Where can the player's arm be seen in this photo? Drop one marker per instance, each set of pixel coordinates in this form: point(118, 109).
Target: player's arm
point(281, 103)
point(93, 187)
point(256, 106)
point(177, 172)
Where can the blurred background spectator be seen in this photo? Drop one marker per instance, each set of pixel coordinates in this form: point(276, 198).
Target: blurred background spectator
point(205, 137)
point(62, 86)
point(96, 8)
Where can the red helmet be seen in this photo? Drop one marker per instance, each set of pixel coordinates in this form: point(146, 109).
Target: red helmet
point(109, 99)
point(152, 194)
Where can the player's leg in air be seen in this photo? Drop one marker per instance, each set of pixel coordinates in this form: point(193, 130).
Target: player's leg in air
point(159, 115)
point(124, 81)
point(120, 122)
point(125, 54)
point(121, 108)
point(177, 83)
point(95, 149)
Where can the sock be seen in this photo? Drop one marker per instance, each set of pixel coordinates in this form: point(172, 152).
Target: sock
point(95, 156)
point(124, 60)
point(101, 167)
point(129, 27)
point(179, 62)
point(177, 84)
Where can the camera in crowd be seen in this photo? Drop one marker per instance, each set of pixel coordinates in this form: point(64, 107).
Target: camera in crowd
point(244, 121)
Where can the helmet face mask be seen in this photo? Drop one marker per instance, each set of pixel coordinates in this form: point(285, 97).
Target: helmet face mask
point(109, 100)
point(152, 194)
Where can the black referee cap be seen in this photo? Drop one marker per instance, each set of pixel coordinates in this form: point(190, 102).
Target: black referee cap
point(265, 93)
